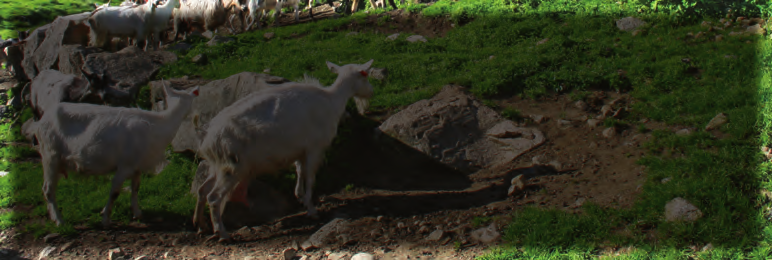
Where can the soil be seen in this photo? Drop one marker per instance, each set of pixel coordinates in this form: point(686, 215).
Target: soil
point(399, 190)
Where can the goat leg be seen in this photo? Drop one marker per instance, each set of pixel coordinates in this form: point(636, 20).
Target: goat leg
point(198, 214)
point(134, 195)
point(225, 182)
point(118, 180)
point(299, 185)
point(309, 166)
point(51, 172)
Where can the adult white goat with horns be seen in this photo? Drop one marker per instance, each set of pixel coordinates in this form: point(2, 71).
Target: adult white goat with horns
point(267, 130)
point(97, 140)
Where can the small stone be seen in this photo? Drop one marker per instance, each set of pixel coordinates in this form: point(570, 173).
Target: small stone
point(563, 122)
point(606, 110)
point(199, 59)
point(719, 38)
point(67, 246)
point(537, 118)
point(486, 235)
point(142, 257)
point(115, 253)
point(707, 247)
point(666, 180)
point(516, 185)
point(392, 37)
point(756, 29)
point(491, 57)
point(683, 132)
point(680, 209)
point(337, 256)
point(363, 256)
point(716, 122)
point(416, 38)
point(46, 252)
point(400, 225)
point(268, 35)
point(609, 132)
point(289, 253)
point(592, 123)
point(379, 218)
point(267, 70)
point(435, 235)
point(352, 33)
point(593, 145)
point(545, 40)
point(50, 237)
point(423, 230)
point(581, 105)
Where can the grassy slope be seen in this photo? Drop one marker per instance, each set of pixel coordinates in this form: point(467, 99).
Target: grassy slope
point(719, 176)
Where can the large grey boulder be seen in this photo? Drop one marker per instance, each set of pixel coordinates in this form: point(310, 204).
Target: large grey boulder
point(72, 57)
point(213, 97)
point(31, 43)
point(458, 130)
point(70, 29)
point(123, 73)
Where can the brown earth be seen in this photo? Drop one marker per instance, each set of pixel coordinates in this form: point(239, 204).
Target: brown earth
point(576, 164)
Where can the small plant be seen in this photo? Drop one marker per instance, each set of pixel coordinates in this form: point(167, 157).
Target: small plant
point(511, 114)
point(642, 129)
point(349, 188)
point(479, 221)
point(490, 103)
point(579, 95)
point(457, 245)
point(611, 122)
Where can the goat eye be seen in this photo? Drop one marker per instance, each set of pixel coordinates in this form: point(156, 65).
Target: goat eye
point(364, 73)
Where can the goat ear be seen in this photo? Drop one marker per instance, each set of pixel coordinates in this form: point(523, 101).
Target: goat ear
point(194, 91)
point(334, 68)
point(367, 65)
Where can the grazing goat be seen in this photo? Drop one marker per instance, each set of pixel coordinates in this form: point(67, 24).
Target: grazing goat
point(121, 21)
point(255, 6)
point(267, 130)
point(159, 22)
point(96, 140)
point(204, 15)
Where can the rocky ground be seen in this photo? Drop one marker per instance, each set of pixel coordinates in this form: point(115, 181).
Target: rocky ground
point(580, 161)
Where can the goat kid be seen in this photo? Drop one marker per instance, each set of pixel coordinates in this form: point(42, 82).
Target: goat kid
point(121, 21)
point(97, 140)
point(267, 130)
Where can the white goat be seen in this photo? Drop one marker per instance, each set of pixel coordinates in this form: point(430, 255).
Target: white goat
point(121, 21)
point(261, 6)
point(98, 140)
point(204, 15)
point(267, 130)
point(159, 21)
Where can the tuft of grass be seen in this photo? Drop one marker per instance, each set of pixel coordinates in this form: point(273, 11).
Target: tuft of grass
point(511, 114)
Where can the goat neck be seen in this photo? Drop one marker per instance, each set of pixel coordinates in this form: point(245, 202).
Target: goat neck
point(174, 114)
point(342, 90)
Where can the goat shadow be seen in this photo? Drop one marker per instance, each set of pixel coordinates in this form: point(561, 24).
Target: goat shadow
point(408, 181)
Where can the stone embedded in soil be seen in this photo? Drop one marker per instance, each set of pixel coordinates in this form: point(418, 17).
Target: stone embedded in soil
point(46, 252)
point(629, 23)
point(321, 236)
point(666, 180)
point(680, 209)
point(337, 256)
point(378, 73)
point(392, 37)
point(756, 29)
point(50, 237)
point(707, 247)
point(435, 235)
point(592, 123)
point(115, 253)
point(269, 35)
point(363, 256)
point(142, 257)
point(516, 185)
point(423, 230)
point(487, 234)
point(606, 110)
point(416, 38)
point(538, 118)
point(289, 253)
point(563, 122)
point(683, 132)
point(199, 59)
point(716, 122)
point(581, 105)
point(609, 132)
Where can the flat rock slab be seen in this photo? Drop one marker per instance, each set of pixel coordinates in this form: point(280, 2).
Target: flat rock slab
point(30, 44)
point(456, 129)
point(213, 97)
point(70, 29)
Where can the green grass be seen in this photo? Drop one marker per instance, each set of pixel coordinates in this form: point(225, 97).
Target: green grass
point(584, 52)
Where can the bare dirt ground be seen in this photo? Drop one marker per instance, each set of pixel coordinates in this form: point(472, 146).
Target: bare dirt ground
point(401, 196)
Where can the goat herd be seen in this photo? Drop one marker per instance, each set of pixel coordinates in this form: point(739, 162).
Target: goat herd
point(258, 134)
point(144, 21)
